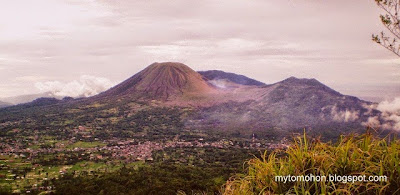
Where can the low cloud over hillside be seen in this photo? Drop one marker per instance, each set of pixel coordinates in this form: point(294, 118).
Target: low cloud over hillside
point(86, 86)
point(390, 116)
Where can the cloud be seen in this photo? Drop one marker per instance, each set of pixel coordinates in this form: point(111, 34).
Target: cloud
point(84, 87)
point(231, 46)
point(391, 107)
point(373, 122)
point(346, 116)
point(389, 119)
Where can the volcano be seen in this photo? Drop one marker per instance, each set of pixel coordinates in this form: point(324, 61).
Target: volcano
point(219, 101)
point(163, 81)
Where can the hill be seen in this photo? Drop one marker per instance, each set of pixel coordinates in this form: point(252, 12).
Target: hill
point(4, 104)
point(287, 106)
point(162, 81)
point(28, 98)
point(217, 76)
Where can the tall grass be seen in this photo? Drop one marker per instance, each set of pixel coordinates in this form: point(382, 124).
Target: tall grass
point(352, 155)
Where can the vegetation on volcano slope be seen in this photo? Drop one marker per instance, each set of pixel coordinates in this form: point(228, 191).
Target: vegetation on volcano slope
point(351, 155)
point(120, 119)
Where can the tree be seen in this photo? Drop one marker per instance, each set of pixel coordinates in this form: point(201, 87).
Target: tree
point(390, 19)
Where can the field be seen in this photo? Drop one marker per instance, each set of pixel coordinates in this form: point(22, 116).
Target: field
point(81, 144)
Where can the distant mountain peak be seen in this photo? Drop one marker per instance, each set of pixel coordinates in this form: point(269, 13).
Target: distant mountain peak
point(293, 79)
point(162, 81)
point(294, 82)
point(235, 78)
point(302, 81)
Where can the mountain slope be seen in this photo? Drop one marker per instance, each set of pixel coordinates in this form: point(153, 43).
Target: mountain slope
point(4, 104)
point(28, 98)
point(307, 102)
point(235, 78)
point(292, 104)
point(162, 81)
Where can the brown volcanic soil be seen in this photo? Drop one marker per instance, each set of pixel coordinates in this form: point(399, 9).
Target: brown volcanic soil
point(163, 81)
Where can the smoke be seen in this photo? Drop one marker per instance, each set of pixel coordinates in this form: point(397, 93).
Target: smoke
point(389, 119)
point(84, 87)
point(222, 84)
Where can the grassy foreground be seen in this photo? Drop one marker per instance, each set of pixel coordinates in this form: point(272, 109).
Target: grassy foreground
point(352, 155)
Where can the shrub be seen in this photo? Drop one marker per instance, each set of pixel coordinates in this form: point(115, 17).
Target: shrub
point(364, 154)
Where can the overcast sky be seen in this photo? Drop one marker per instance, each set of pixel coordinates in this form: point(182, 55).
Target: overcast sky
point(71, 45)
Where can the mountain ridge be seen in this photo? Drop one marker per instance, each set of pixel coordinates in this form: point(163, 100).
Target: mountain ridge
point(235, 78)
